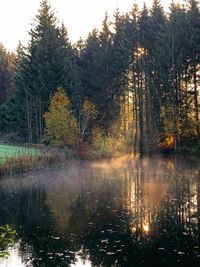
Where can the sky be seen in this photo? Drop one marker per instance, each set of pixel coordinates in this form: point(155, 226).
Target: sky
point(79, 17)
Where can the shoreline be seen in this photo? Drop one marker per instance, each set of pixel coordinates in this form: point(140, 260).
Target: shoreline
point(21, 163)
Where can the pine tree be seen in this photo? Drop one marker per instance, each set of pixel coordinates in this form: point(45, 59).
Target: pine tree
point(47, 64)
point(157, 29)
point(194, 54)
point(7, 71)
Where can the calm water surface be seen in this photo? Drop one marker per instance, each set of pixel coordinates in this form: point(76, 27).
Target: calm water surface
point(122, 212)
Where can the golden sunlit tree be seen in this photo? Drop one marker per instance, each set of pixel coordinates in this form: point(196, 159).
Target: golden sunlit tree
point(61, 126)
point(89, 113)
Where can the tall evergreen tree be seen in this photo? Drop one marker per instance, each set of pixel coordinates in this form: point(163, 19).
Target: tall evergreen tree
point(7, 71)
point(48, 63)
point(194, 54)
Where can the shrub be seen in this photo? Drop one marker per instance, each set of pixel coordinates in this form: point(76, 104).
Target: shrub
point(107, 145)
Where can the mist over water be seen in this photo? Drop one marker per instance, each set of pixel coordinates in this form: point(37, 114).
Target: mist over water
point(119, 212)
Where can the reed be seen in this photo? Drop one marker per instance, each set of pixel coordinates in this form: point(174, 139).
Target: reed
point(24, 162)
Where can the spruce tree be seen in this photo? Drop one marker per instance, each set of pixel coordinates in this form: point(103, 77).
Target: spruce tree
point(47, 64)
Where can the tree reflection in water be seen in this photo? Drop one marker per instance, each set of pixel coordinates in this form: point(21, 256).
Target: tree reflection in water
point(125, 212)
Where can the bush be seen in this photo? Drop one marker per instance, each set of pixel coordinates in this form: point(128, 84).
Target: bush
point(107, 145)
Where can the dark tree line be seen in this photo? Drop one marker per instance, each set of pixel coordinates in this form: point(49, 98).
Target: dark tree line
point(141, 70)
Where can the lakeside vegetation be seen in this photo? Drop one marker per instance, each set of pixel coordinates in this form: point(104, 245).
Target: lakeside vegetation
point(15, 159)
point(132, 86)
point(7, 235)
point(9, 152)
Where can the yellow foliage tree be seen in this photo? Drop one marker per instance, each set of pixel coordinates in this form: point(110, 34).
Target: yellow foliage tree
point(107, 145)
point(89, 114)
point(61, 126)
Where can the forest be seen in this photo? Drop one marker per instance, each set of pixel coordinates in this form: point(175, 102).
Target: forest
point(133, 85)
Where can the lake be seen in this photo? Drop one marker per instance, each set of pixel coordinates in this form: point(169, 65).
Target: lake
point(120, 212)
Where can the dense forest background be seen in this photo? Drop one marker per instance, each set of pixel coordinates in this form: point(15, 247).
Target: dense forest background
point(135, 82)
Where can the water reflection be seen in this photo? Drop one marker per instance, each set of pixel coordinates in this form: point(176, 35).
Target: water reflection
point(124, 212)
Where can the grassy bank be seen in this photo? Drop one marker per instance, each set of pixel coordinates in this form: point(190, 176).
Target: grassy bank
point(14, 159)
point(9, 152)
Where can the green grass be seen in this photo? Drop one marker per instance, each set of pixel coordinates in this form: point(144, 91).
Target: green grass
point(8, 152)
point(15, 159)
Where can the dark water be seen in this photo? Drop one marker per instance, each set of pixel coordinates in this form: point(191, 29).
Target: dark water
point(117, 213)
